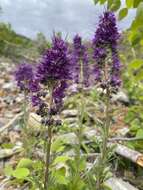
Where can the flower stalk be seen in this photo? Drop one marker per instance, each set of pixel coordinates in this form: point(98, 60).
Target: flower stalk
point(48, 147)
point(81, 115)
point(107, 74)
point(103, 159)
point(81, 77)
point(47, 162)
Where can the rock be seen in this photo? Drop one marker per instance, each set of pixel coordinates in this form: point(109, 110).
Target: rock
point(9, 100)
point(8, 86)
point(90, 133)
point(121, 97)
point(6, 153)
point(34, 121)
point(70, 120)
point(69, 113)
point(123, 132)
point(119, 184)
point(70, 138)
point(14, 136)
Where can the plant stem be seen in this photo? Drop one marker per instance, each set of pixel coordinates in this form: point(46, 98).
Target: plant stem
point(25, 116)
point(47, 163)
point(48, 147)
point(104, 149)
point(81, 117)
point(24, 125)
point(106, 127)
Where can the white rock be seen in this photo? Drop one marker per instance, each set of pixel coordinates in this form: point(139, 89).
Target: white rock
point(8, 86)
point(119, 184)
point(121, 97)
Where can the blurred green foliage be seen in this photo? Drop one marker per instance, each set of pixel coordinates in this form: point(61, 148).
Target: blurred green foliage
point(136, 27)
point(18, 47)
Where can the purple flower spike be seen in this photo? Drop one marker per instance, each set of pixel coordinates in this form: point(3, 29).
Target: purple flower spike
point(105, 44)
point(80, 56)
point(24, 75)
point(55, 64)
point(55, 70)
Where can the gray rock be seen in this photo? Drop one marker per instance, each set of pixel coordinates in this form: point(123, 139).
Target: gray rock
point(90, 133)
point(123, 132)
point(8, 86)
point(121, 97)
point(70, 120)
point(118, 184)
point(70, 113)
point(70, 138)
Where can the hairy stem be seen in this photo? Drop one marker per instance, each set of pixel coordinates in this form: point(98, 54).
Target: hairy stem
point(81, 116)
point(47, 162)
point(25, 116)
point(106, 127)
point(48, 147)
point(24, 129)
point(104, 149)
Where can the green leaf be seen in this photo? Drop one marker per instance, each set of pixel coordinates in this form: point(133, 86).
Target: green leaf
point(139, 75)
point(131, 145)
point(123, 13)
point(95, 1)
point(82, 165)
point(139, 14)
point(24, 163)
point(102, 1)
point(57, 145)
point(20, 173)
point(8, 170)
point(106, 187)
point(136, 3)
point(135, 125)
point(60, 176)
point(8, 145)
point(135, 38)
point(129, 3)
point(38, 165)
point(115, 5)
point(136, 64)
point(139, 133)
point(61, 179)
point(109, 3)
point(61, 159)
point(134, 25)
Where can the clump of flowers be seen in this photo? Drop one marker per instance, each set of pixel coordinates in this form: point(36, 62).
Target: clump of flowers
point(105, 42)
point(107, 73)
point(80, 62)
point(53, 74)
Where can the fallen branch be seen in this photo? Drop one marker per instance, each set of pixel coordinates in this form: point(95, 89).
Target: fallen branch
point(9, 124)
point(130, 154)
point(126, 139)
